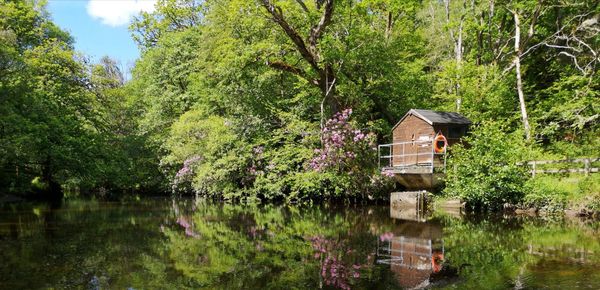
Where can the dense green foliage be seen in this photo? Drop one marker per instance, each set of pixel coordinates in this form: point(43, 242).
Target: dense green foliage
point(63, 122)
point(485, 173)
point(231, 99)
point(48, 124)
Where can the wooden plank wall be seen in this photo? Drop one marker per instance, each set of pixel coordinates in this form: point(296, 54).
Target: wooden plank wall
point(404, 132)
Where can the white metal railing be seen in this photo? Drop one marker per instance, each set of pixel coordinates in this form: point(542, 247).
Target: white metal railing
point(413, 153)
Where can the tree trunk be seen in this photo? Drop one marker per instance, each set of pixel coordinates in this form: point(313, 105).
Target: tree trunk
point(458, 48)
point(308, 49)
point(388, 27)
point(53, 191)
point(459, 57)
point(517, 61)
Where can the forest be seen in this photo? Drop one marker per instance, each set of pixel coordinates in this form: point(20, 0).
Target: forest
point(285, 100)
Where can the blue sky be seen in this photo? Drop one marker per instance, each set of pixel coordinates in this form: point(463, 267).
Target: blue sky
point(100, 27)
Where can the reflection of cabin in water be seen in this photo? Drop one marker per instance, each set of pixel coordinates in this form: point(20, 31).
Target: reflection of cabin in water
point(415, 253)
point(417, 155)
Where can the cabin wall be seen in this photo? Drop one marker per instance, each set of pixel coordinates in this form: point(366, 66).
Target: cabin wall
point(412, 129)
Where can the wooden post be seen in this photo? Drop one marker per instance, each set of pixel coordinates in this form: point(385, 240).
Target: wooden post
point(533, 169)
point(586, 163)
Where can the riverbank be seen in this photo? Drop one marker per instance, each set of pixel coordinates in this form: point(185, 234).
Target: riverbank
point(581, 210)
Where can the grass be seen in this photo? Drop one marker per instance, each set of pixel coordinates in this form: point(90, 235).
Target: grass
point(556, 192)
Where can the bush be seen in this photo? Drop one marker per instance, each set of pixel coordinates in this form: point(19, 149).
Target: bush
point(485, 173)
point(590, 188)
point(342, 167)
point(544, 193)
point(211, 157)
point(205, 155)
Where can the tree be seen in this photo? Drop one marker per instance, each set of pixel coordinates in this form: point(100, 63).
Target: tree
point(309, 50)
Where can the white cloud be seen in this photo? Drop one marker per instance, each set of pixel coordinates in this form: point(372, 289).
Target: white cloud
point(118, 12)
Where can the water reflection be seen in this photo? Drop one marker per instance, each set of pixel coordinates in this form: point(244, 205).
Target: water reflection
point(415, 252)
point(183, 244)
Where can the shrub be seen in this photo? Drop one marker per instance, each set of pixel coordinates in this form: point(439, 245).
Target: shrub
point(544, 193)
point(590, 188)
point(485, 173)
point(343, 166)
point(212, 158)
point(348, 158)
point(205, 155)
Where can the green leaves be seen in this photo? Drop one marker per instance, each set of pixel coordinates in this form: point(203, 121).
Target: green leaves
point(274, 75)
point(484, 172)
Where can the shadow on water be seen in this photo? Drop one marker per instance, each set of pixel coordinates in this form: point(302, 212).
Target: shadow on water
point(184, 244)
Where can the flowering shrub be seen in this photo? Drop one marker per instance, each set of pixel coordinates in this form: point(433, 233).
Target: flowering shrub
point(283, 167)
point(186, 172)
point(387, 173)
point(347, 159)
point(344, 147)
point(257, 160)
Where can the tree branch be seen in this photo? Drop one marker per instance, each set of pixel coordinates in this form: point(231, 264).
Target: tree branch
point(317, 31)
point(574, 61)
point(282, 66)
point(277, 16)
point(534, 18)
point(301, 3)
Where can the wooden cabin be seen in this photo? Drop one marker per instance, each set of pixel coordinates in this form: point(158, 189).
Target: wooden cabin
point(420, 141)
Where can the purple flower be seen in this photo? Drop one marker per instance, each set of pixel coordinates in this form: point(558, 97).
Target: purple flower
point(191, 160)
point(183, 172)
point(182, 221)
point(190, 233)
point(342, 144)
point(258, 150)
point(387, 173)
point(386, 236)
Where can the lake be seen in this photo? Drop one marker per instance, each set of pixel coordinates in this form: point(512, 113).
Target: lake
point(181, 244)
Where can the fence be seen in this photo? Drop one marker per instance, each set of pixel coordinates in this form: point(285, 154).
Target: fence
point(587, 166)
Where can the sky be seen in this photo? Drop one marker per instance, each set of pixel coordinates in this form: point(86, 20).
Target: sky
point(100, 27)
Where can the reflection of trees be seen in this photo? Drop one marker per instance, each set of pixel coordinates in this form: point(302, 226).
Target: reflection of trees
point(66, 247)
point(271, 247)
point(500, 252)
point(241, 247)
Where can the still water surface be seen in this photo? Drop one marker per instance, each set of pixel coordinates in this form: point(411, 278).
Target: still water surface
point(167, 244)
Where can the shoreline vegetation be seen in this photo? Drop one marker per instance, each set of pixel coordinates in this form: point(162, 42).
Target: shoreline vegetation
point(285, 101)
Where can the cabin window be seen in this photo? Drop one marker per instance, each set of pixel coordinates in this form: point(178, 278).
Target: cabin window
point(413, 139)
point(456, 132)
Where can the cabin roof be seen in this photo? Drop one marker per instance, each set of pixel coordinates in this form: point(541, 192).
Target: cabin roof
point(436, 117)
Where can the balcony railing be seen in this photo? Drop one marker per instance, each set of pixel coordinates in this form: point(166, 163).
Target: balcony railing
point(411, 157)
